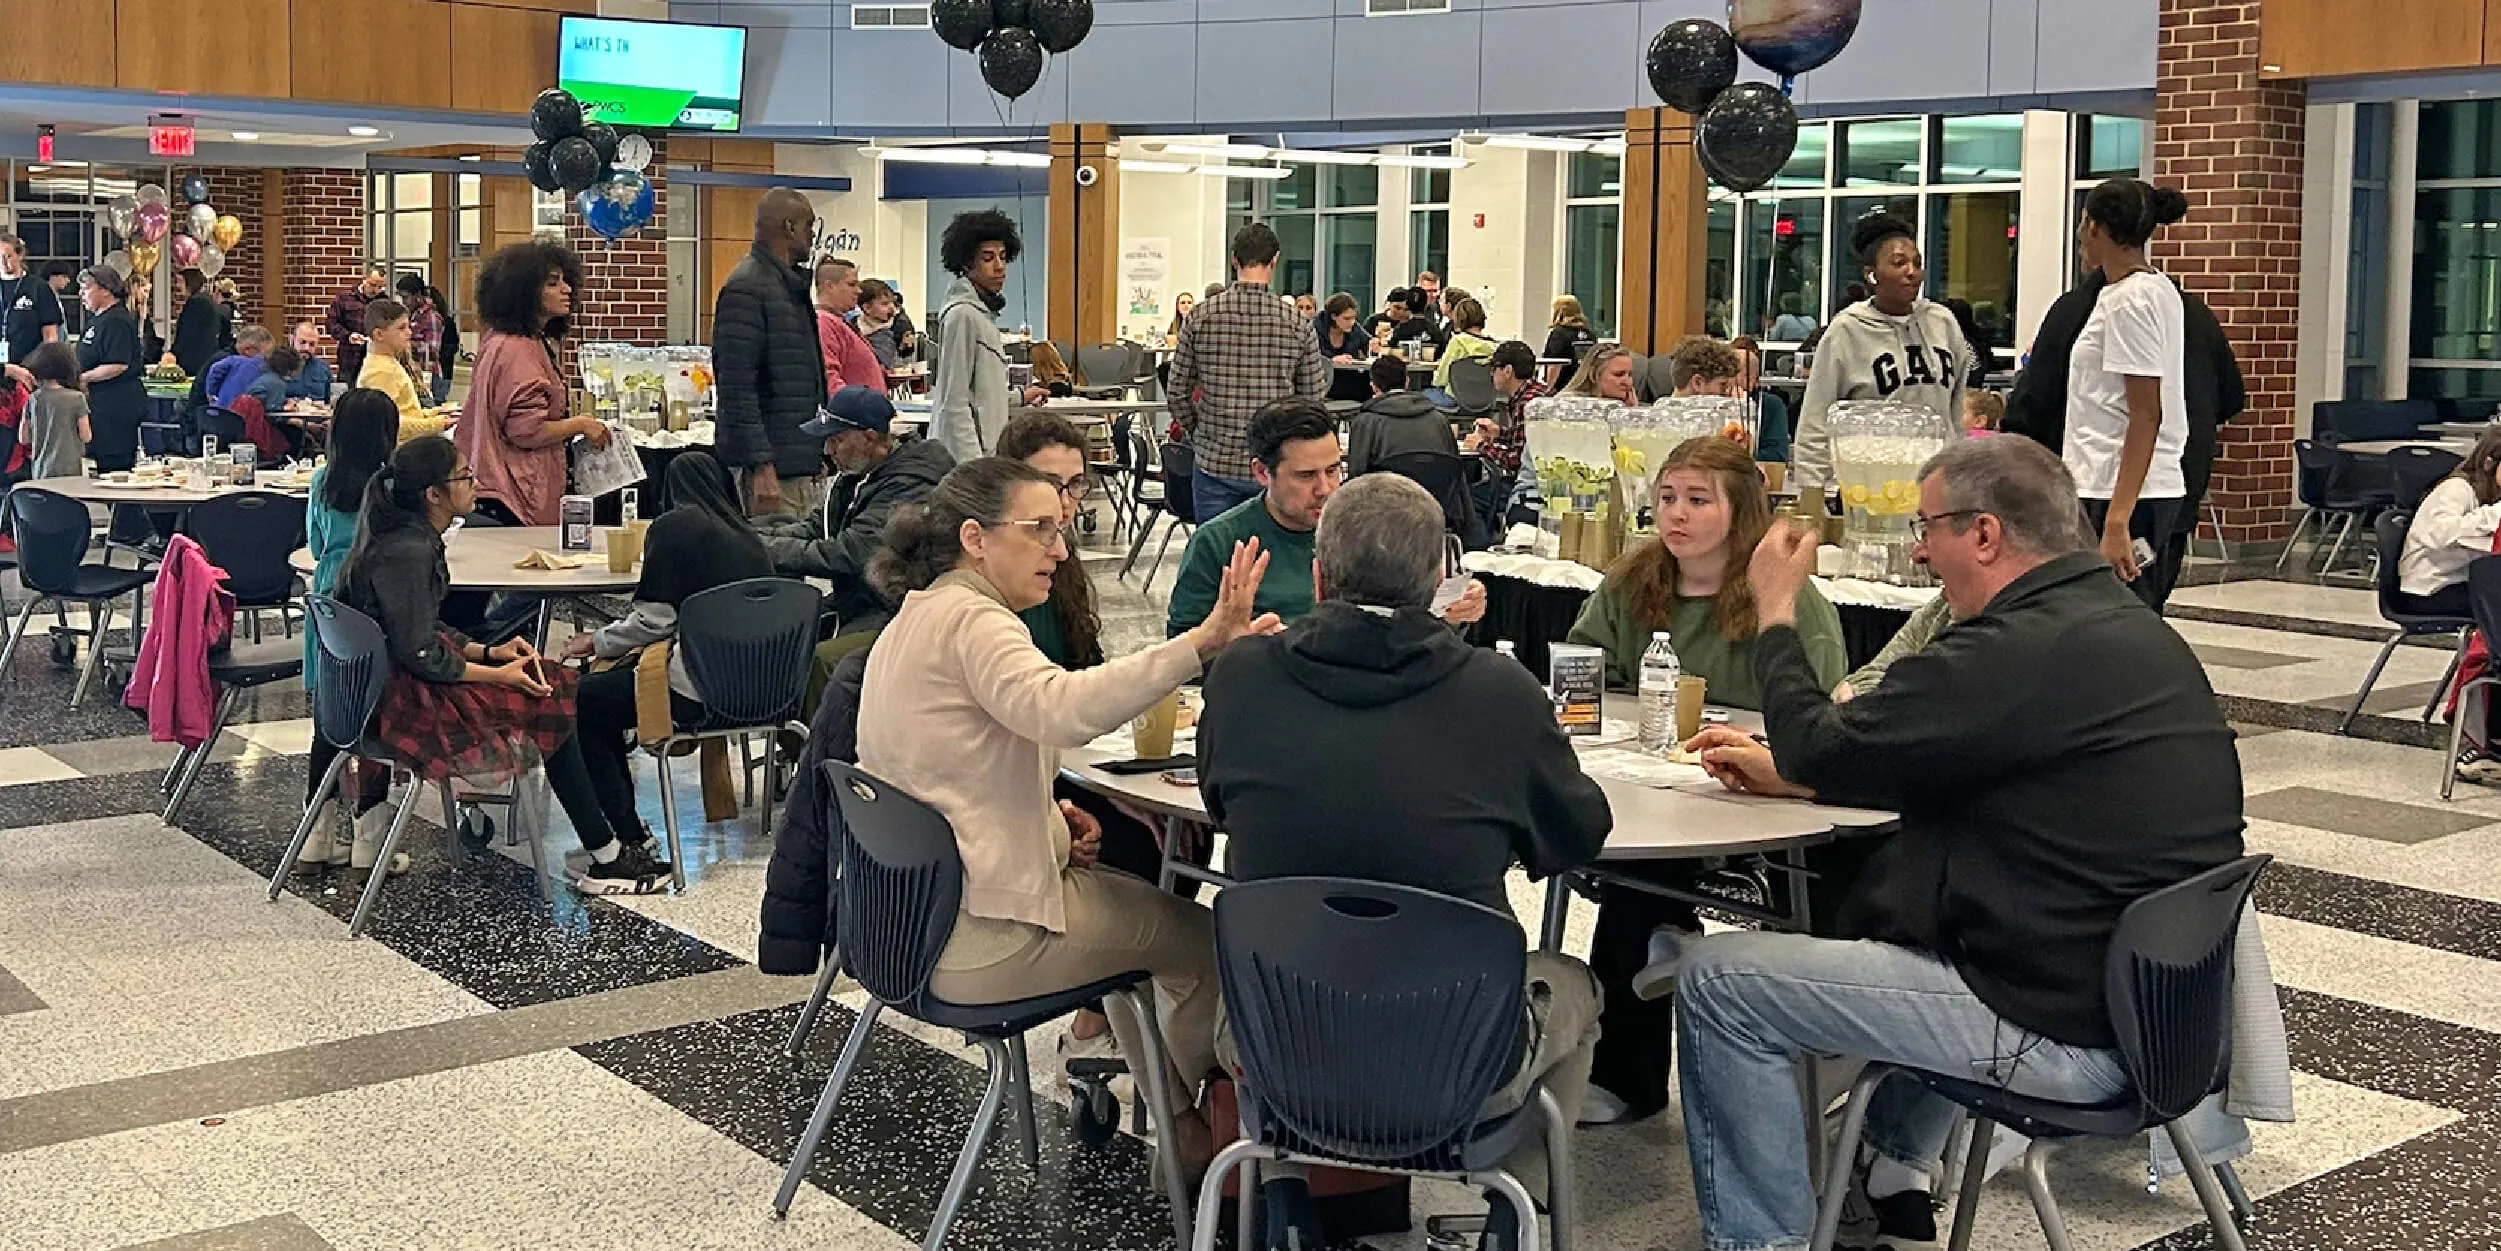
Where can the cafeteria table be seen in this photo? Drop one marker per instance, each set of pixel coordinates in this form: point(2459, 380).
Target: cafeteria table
point(481, 558)
point(2382, 447)
point(177, 497)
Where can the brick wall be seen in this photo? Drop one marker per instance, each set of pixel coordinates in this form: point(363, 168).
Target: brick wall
point(625, 295)
point(236, 191)
point(321, 228)
point(2232, 143)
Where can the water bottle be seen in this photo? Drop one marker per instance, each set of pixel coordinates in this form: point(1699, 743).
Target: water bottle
point(1508, 650)
point(1659, 673)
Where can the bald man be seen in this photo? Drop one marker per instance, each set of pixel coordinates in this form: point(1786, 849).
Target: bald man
point(767, 365)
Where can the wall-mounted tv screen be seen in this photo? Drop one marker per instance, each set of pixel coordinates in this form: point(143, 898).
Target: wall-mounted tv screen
point(668, 75)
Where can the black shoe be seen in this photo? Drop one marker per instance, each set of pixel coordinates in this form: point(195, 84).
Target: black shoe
point(633, 872)
point(1910, 1215)
point(1291, 1220)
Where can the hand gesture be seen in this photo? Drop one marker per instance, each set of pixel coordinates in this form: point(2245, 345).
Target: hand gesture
point(1735, 760)
point(2119, 549)
point(1085, 836)
point(1469, 607)
point(580, 646)
point(1780, 567)
point(515, 648)
point(1231, 618)
point(521, 674)
point(595, 431)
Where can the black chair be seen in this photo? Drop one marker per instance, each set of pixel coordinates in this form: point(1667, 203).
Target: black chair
point(232, 670)
point(2417, 469)
point(900, 884)
point(1178, 503)
point(250, 534)
point(1445, 478)
point(52, 535)
point(224, 424)
point(2404, 612)
point(2355, 489)
point(1104, 370)
point(1372, 1023)
point(1124, 479)
point(2311, 465)
point(747, 646)
point(2168, 976)
point(2483, 591)
point(1472, 389)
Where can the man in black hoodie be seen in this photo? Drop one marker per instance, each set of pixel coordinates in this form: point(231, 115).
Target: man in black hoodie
point(1395, 421)
point(878, 474)
point(2055, 756)
point(1370, 742)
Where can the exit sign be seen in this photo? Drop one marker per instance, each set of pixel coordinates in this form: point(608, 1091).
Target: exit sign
point(174, 140)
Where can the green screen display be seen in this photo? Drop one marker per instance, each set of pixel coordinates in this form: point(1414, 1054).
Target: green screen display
point(664, 75)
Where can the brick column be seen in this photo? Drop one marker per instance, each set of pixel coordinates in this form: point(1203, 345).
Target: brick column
point(2232, 142)
point(321, 230)
point(236, 190)
point(625, 295)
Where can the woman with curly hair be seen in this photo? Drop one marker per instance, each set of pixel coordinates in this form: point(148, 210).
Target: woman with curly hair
point(968, 395)
point(515, 425)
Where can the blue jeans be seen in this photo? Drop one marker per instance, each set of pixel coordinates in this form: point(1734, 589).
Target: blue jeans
point(1212, 495)
point(1750, 1006)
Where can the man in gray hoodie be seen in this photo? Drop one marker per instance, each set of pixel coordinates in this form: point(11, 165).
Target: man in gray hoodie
point(1894, 345)
point(969, 398)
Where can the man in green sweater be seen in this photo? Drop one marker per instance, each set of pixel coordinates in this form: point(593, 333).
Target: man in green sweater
point(1296, 458)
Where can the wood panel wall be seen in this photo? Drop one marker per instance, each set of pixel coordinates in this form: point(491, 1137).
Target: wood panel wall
point(246, 49)
point(1084, 296)
point(54, 41)
point(1666, 232)
point(2318, 38)
point(501, 58)
point(394, 52)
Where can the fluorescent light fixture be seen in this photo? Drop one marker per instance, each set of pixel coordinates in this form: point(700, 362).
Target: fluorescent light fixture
point(471, 156)
point(363, 132)
point(1227, 151)
point(1395, 161)
point(1261, 173)
point(1019, 160)
point(1608, 147)
point(1323, 156)
point(245, 136)
point(933, 156)
point(1536, 143)
point(1129, 166)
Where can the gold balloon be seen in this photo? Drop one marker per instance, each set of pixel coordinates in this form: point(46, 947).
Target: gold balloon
point(227, 232)
point(143, 259)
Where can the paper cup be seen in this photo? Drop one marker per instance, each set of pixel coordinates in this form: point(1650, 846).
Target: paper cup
point(1690, 690)
point(1775, 476)
point(1152, 730)
point(624, 545)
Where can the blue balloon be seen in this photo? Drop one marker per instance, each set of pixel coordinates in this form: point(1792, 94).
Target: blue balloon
point(1790, 37)
point(622, 203)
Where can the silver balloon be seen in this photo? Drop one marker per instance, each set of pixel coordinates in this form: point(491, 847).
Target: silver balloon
point(151, 194)
point(634, 153)
point(125, 214)
point(202, 222)
point(212, 260)
point(118, 261)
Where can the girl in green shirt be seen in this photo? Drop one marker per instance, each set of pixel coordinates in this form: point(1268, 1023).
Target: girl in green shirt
point(1711, 510)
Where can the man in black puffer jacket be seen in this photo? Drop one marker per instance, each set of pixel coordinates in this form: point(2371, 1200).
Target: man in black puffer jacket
point(767, 366)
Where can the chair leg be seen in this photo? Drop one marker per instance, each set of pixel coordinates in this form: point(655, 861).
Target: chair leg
point(1152, 1070)
point(1562, 1193)
point(198, 756)
point(2289, 544)
point(2229, 1178)
point(668, 818)
point(165, 785)
point(1950, 1169)
point(2372, 679)
point(2343, 533)
point(2044, 1204)
point(1844, 1158)
point(451, 809)
point(1146, 527)
point(2457, 657)
point(1521, 1205)
point(1022, 1075)
point(747, 769)
point(815, 1005)
point(968, 1161)
point(17, 630)
point(304, 827)
point(1160, 549)
point(1975, 1171)
point(99, 619)
point(382, 860)
point(2457, 738)
point(2209, 1192)
point(805, 1155)
point(1211, 1191)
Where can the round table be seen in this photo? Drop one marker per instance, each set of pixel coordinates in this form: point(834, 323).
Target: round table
point(481, 558)
point(182, 497)
point(1533, 616)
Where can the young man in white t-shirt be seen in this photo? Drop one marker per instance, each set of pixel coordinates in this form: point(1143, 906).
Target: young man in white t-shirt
point(2127, 386)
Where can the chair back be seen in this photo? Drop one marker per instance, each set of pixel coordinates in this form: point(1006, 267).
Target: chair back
point(1373, 1021)
point(1103, 365)
point(747, 646)
point(1445, 478)
point(2388, 530)
point(1472, 385)
point(52, 532)
point(2483, 591)
point(350, 664)
point(225, 424)
point(1180, 461)
point(2169, 981)
point(2417, 470)
point(901, 883)
point(1658, 375)
point(2313, 461)
point(249, 535)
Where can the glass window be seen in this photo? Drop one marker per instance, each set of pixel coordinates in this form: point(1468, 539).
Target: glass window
point(2366, 268)
point(1971, 256)
point(1298, 190)
point(1806, 161)
point(1237, 196)
point(2459, 139)
point(412, 191)
point(1988, 148)
point(1353, 254)
point(1593, 251)
point(2454, 384)
point(1595, 174)
point(1719, 276)
point(1353, 186)
point(1849, 281)
point(1429, 186)
point(2457, 273)
point(1296, 265)
point(1878, 154)
point(1784, 266)
point(2110, 147)
point(1428, 241)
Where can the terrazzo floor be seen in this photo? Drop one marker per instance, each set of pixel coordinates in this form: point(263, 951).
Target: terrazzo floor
point(502, 1063)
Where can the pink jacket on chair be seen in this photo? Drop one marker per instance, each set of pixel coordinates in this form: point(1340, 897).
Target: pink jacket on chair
point(194, 616)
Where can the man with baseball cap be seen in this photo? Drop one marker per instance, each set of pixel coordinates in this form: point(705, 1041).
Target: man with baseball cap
point(876, 474)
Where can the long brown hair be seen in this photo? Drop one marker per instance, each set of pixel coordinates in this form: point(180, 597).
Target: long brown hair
point(1072, 592)
point(1647, 574)
point(2480, 466)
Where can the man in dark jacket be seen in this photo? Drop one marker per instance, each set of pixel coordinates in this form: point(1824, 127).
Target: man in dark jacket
point(346, 320)
point(2055, 756)
point(1394, 421)
point(855, 432)
point(766, 366)
point(1328, 750)
point(2216, 394)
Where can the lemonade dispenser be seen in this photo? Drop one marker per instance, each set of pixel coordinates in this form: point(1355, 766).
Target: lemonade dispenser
point(1877, 449)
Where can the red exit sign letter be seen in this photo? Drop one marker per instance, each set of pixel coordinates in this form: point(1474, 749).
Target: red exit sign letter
point(177, 140)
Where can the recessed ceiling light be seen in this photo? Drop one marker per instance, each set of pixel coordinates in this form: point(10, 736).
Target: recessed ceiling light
point(363, 132)
point(246, 136)
point(470, 156)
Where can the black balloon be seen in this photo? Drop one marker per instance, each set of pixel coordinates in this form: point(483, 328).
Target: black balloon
point(1691, 62)
point(541, 168)
point(962, 23)
point(555, 115)
point(576, 163)
point(1746, 135)
point(603, 139)
point(1062, 24)
point(1011, 61)
point(1007, 13)
point(194, 189)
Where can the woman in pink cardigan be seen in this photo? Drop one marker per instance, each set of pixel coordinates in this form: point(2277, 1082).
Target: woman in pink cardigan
point(514, 426)
point(961, 710)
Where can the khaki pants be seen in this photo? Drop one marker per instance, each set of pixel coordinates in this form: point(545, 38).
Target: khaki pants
point(1116, 923)
point(801, 497)
point(1562, 1035)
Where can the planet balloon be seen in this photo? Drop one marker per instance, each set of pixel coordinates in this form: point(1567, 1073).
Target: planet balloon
point(226, 233)
point(1790, 37)
point(622, 203)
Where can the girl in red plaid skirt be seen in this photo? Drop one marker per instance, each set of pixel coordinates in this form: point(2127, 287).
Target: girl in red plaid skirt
point(454, 707)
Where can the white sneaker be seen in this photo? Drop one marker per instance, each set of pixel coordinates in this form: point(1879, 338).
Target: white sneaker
point(1102, 1046)
point(371, 829)
point(1599, 1106)
point(322, 848)
point(1668, 946)
point(2480, 769)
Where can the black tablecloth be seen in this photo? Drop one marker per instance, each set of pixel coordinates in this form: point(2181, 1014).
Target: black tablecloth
point(1532, 616)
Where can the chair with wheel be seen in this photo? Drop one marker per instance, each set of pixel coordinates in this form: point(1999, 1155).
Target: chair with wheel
point(899, 889)
point(52, 538)
point(746, 646)
point(2168, 977)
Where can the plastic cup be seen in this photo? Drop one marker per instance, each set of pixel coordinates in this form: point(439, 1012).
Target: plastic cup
point(1152, 730)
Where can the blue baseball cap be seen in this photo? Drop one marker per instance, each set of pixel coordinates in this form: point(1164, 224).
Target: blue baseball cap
point(852, 408)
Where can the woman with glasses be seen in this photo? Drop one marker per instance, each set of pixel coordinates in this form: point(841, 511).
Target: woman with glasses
point(457, 708)
point(963, 711)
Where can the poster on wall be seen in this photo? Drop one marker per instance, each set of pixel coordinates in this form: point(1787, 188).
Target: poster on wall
point(1144, 271)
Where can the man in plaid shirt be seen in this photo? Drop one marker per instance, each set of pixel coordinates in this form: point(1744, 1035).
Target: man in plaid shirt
point(1241, 349)
point(1503, 438)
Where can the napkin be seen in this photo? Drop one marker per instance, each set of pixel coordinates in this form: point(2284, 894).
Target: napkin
point(550, 560)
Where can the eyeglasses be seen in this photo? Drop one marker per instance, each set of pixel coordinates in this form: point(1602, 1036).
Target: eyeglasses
point(1075, 488)
point(1046, 533)
point(459, 478)
point(1920, 522)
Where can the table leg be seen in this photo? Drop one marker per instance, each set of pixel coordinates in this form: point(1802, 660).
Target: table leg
point(1558, 909)
point(544, 624)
